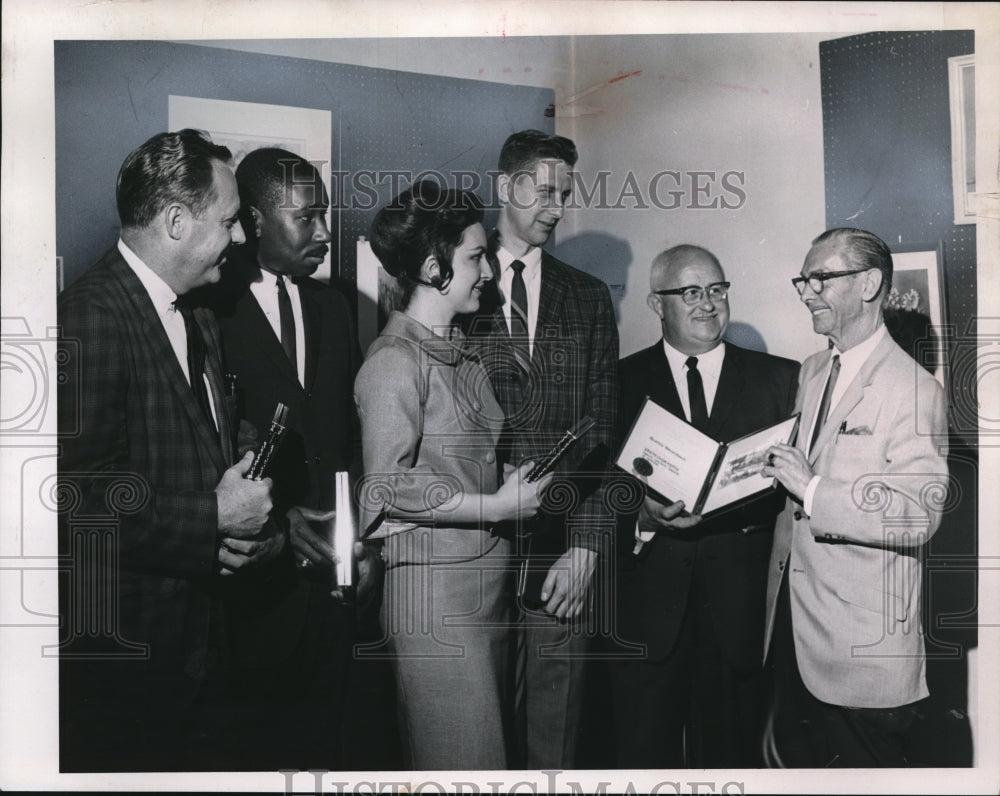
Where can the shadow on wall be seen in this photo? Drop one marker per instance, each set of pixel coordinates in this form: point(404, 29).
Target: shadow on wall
point(600, 255)
point(745, 336)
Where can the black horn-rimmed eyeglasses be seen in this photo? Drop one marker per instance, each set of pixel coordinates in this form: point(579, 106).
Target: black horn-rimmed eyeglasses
point(818, 281)
point(693, 294)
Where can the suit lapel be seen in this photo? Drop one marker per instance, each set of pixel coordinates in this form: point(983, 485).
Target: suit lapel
point(165, 360)
point(662, 387)
point(270, 344)
point(312, 332)
point(811, 391)
point(852, 396)
point(550, 302)
point(216, 382)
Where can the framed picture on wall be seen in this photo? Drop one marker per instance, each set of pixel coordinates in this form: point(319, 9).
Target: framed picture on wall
point(916, 311)
point(378, 295)
point(962, 100)
point(246, 126)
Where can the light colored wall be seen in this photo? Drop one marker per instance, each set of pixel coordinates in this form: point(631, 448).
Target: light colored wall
point(713, 102)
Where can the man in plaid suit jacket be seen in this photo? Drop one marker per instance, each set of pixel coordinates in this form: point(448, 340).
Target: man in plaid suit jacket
point(147, 450)
point(550, 363)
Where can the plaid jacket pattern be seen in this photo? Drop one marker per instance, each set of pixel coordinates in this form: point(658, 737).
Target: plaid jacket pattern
point(574, 372)
point(136, 451)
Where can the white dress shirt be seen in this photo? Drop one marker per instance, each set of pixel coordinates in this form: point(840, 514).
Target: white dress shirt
point(851, 362)
point(163, 298)
point(532, 275)
point(710, 368)
point(266, 293)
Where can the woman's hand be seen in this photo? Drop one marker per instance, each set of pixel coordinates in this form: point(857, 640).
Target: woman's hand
point(516, 499)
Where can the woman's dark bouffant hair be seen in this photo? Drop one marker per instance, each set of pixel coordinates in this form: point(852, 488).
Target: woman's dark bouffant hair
point(425, 219)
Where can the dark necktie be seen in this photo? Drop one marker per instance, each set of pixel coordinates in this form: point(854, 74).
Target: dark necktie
point(696, 395)
point(196, 361)
point(287, 323)
point(824, 404)
point(519, 315)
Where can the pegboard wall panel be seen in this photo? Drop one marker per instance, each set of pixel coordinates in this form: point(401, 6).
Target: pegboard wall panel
point(110, 96)
point(887, 156)
point(887, 153)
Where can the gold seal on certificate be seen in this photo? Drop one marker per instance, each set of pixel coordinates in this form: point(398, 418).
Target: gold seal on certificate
point(678, 462)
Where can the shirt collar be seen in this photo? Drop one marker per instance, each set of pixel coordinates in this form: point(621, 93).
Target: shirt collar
point(860, 352)
point(532, 260)
point(709, 362)
point(161, 294)
point(270, 280)
point(449, 351)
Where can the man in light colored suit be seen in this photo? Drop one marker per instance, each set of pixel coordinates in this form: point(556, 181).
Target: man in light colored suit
point(866, 484)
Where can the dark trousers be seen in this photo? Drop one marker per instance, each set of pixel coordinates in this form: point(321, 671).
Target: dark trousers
point(129, 716)
point(693, 709)
point(287, 712)
point(548, 683)
point(809, 733)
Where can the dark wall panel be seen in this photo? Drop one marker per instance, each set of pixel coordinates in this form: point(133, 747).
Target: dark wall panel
point(110, 96)
point(887, 157)
point(887, 154)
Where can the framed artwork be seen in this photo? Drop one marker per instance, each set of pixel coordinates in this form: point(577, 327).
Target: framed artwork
point(246, 126)
point(378, 295)
point(916, 309)
point(962, 101)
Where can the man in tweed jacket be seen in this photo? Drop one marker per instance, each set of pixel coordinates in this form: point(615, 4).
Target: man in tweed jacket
point(550, 363)
point(147, 450)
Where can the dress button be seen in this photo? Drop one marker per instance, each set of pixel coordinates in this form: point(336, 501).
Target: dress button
point(490, 457)
point(798, 515)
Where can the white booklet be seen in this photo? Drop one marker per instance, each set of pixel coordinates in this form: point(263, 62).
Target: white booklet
point(678, 462)
point(344, 531)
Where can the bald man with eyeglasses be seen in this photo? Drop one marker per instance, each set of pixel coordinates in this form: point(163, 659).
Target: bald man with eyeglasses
point(692, 590)
point(866, 484)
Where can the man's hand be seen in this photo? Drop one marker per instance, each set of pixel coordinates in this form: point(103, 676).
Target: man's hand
point(317, 550)
point(566, 585)
point(655, 516)
point(311, 549)
point(371, 571)
point(243, 504)
point(235, 554)
point(789, 466)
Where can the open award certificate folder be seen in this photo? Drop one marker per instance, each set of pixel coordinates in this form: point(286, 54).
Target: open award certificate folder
point(678, 462)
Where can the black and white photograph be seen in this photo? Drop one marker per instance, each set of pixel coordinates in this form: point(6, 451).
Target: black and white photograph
point(297, 296)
